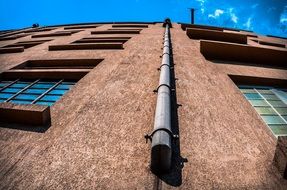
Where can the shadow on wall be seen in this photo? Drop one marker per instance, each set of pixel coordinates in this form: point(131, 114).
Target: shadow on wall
point(280, 157)
point(31, 128)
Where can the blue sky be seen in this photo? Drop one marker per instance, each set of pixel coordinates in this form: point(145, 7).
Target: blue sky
point(261, 16)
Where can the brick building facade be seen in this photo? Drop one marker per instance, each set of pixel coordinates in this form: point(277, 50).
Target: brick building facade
point(77, 101)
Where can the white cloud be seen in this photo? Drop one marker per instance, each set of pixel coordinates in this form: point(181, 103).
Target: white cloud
point(201, 1)
point(248, 23)
point(202, 7)
point(233, 16)
point(216, 14)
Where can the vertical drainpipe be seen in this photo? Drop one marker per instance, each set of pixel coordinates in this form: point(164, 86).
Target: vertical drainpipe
point(162, 135)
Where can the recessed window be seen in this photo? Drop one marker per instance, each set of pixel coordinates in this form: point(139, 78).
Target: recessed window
point(20, 46)
point(58, 33)
point(269, 43)
point(239, 54)
point(271, 104)
point(41, 92)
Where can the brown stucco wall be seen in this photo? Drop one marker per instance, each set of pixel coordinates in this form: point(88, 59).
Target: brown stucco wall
point(96, 138)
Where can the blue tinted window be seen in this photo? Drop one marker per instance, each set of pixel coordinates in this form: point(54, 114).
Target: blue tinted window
point(64, 86)
point(51, 98)
point(11, 90)
point(259, 103)
point(276, 103)
point(43, 85)
point(33, 92)
point(21, 101)
point(252, 96)
point(45, 103)
point(57, 92)
point(19, 85)
point(2, 84)
point(5, 95)
point(26, 97)
point(69, 83)
point(273, 119)
point(270, 104)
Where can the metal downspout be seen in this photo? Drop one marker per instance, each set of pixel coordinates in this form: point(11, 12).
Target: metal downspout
point(162, 135)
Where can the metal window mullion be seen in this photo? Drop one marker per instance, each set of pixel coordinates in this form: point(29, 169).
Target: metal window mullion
point(47, 91)
point(19, 92)
point(11, 83)
point(271, 106)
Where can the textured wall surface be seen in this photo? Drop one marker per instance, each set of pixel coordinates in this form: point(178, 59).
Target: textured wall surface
point(96, 139)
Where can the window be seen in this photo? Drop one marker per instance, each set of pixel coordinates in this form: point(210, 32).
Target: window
point(269, 43)
point(271, 104)
point(205, 34)
point(13, 37)
point(243, 54)
point(57, 33)
point(130, 25)
point(20, 46)
point(41, 92)
point(110, 39)
point(80, 27)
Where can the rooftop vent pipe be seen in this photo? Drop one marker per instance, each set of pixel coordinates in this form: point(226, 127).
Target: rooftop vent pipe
point(192, 10)
point(162, 135)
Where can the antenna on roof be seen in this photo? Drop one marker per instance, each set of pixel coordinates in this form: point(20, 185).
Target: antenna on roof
point(192, 10)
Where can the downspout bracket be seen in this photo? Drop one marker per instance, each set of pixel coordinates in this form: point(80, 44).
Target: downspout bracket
point(173, 136)
point(164, 65)
point(156, 90)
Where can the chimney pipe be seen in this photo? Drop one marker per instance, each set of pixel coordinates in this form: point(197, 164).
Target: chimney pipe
point(192, 10)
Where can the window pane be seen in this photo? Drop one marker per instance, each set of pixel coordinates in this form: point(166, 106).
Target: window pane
point(282, 111)
point(19, 85)
point(43, 85)
point(270, 97)
point(34, 91)
point(281, 94)
point(26, 97)
point(273, 119)
point(58, 92)
point(21, 101)
point(12, 90)
point(265, 91)
point(275, 103)
point(279, 129)
point(259, 103)
point(64, 86)
point(265, 110)
point(5, 95)
point(285, 117)
point(44, 103)
point(248, 91)
point(250, 96)
point(2, 84)
point(51, 98)
point(70, 83)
